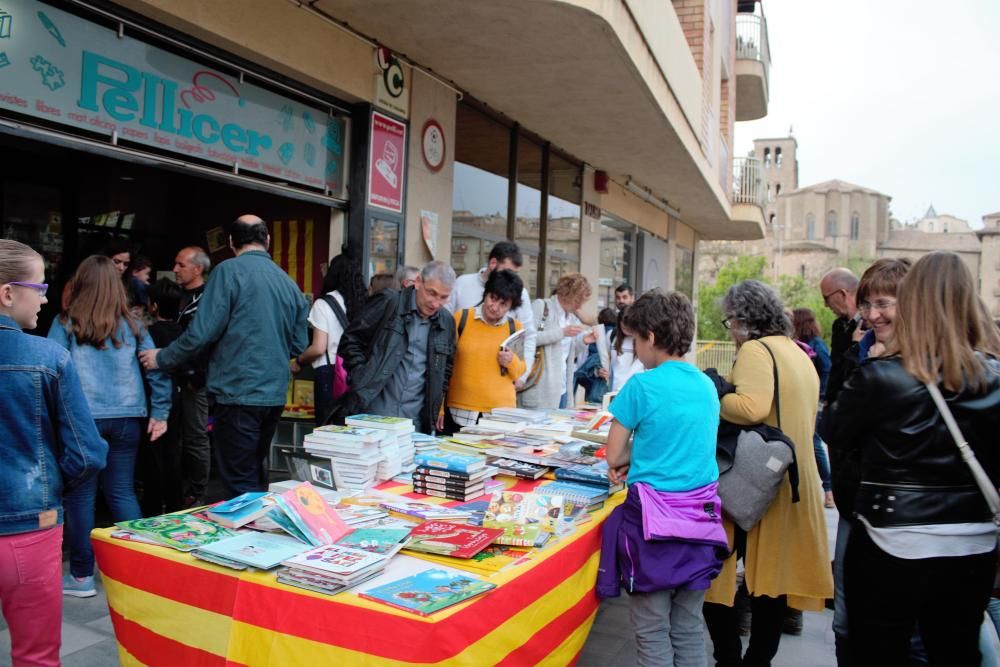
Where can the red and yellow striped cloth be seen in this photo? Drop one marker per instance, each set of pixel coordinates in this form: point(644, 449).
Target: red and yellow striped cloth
point(170, 609)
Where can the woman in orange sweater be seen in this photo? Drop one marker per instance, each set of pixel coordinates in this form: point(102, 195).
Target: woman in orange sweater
point(484, 372)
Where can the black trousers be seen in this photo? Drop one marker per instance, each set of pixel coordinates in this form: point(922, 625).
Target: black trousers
point(886, 596)
point(765, 632)
point(242, 440)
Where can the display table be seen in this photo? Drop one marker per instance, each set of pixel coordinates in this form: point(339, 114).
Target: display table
point(169, 608)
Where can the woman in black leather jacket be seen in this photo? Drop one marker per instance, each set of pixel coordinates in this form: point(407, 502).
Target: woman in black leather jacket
point(924, 549)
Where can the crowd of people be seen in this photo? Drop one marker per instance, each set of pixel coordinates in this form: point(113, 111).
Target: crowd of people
point(129, 364)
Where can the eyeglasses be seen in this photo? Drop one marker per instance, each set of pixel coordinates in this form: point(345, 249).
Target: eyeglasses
point(41, 288)
point(726, 324)
point(880, 305)
point(827, 297)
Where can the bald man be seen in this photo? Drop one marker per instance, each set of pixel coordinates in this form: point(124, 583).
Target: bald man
point(252, 320)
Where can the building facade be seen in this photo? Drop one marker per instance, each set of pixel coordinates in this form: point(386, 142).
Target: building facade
point(989, 263)
point(596, 134)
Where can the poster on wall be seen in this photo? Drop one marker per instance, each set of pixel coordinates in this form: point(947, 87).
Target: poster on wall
point(67, 70)
point(429, 229)
point(386, 157)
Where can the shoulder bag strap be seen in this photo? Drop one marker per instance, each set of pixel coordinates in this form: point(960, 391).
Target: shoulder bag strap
point(969, 456)
point(462, 320)
point(777, 397)
point(341, 316)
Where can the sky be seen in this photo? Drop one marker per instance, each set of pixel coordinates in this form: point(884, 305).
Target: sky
point(901, 96)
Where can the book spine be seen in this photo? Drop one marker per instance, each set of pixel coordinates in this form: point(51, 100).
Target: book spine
point(451, 495)
point(437, 472)
point(513, 541)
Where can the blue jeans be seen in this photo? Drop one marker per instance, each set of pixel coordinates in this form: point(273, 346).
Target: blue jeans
point(117, 484)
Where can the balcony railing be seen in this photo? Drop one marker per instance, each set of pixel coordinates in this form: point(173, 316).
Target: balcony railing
point(748, 182)
point(751, 40)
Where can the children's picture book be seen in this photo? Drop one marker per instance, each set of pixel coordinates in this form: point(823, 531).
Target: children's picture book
point(452, 462)
point(426, 511)
point(494, 558)
point(178, 531)
point(450, 539)
point(333, 560)
point(428, 591)
point(242, 509)
point(317, 521)
point(260, 550)
point(401, 424)
point(524, 517)
point(386, 541)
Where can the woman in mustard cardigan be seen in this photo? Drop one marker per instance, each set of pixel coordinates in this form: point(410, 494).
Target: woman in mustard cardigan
point(786, 558)
point(483, 374)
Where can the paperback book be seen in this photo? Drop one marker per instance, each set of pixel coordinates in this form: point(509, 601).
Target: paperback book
point(450, 539)
point(311, 515)
point(260, 550)
point(385, 541)
point(428, 591)
point(524, 517)
point(450, 462)
point(178, 531)
point(344, 564)
point(242, 509)
point(401, 424)
point(519, 469)
point(426, 511)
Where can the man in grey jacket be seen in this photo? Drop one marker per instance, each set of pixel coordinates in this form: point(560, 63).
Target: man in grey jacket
point(253, 319)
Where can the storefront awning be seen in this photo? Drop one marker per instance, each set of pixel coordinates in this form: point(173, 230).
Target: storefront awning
point(579, 74)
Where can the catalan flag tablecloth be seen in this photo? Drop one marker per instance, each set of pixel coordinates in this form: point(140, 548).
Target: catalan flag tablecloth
point(169, 608)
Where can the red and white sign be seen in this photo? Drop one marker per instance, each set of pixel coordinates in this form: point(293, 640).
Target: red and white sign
point(386, 158)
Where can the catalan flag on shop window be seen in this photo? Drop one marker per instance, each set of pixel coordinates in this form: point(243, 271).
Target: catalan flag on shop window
point(293, 246)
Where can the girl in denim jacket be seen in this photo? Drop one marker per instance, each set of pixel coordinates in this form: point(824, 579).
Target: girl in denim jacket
point(104, 339)
point(48, 443)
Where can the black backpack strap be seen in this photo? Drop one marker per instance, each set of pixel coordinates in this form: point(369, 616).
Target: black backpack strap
point(337, 310)
point(462, 320)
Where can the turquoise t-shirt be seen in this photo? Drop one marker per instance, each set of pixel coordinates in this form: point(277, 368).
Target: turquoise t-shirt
point(673, 412)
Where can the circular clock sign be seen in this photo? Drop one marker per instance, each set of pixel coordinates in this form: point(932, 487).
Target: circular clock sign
point(432, 140)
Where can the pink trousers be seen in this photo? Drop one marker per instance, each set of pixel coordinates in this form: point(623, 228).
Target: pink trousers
point(31, 595)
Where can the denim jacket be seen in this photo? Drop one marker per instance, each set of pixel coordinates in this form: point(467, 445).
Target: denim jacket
point(48, 440)
point(112, 377)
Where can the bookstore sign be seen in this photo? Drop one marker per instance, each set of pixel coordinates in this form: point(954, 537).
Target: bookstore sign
point(60, 67)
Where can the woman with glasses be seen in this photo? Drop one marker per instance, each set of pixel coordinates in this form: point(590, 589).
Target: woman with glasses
point(877, 304)
point(924, 549)
point(104, 339)
point(48, 444)
point(785, 556)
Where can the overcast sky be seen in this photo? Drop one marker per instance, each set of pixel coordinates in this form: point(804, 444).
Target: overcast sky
point(902, 96)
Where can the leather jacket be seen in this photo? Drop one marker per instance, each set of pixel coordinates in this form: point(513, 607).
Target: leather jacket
point(907, 468)
point(374, 344)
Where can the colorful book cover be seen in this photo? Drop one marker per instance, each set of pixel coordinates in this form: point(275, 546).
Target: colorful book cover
point(524, 517)
point(260, 550)
point(335, 560)
point(242, 509)
point(428, 591)
point(492, 559)
point(381, 421)
point(452, 462)
point(178, 531)
point(312, 515)
point(450, 539)
point(376, 540)
point(425, 511)
point(520, 469)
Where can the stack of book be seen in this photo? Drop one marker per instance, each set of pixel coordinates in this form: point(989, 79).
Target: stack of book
point(425, 511)
point(451, 539)
point(303, 514)
point(262, 551)
point(518, 469)
point(399, 432)
point(331, 568)
point(354, 451)
point(449, 475)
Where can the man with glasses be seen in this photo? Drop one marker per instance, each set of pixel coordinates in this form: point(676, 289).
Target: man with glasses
point(839, 288)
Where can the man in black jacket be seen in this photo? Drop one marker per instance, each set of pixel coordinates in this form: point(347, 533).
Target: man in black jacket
point(398, 352)
point(839, 288)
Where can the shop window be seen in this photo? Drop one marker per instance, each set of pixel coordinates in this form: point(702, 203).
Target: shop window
point(563, 229)
point(479, 198)
point(527, 219)
point(384, 249)
point(831, 224)
point(855, 227)
point(684, 270)
point(810, 227)
point(617, 244)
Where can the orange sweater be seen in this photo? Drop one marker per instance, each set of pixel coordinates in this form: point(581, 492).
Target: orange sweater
point(476, 381)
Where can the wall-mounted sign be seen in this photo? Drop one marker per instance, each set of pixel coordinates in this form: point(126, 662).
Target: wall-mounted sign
point(432, 143)
point(67, 70)
point(386, 159)
point(391, 90)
